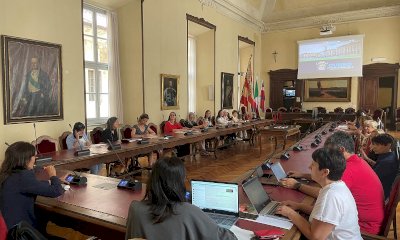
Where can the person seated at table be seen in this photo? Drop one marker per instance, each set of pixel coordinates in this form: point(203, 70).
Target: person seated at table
point(386, 164)
point(171, 124)
point(222, 117)
point(142, 129)
point(169, 127)
point(19, 186)
point(192, 124)
point(207, 118)
point(371, 130)
point(78, 140)
point(235, 119)
point(164, 213)
point(111, 132)
point(362, 181)
point(334, 214)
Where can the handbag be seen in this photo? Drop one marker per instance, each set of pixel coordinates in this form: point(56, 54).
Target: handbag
point(24, 231)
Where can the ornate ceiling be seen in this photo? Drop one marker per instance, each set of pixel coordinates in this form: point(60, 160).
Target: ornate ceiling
point(270, 15)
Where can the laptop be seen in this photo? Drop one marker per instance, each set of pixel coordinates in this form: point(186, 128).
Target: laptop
point(219, 200)
point(259, 198)
point(277, 170)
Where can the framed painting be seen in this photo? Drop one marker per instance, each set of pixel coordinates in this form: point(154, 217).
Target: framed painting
point(169, 92)
point(32, 80)
point(327, 90)
point(226, 90)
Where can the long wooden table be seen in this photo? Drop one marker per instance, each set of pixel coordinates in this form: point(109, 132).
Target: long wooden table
point(100, 205)
point(65, 159)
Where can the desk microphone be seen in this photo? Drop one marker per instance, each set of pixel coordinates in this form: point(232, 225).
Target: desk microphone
point(40, 159)
point(81, 151)
point(298, 147)
point(6, 143)
point(76, 179)
point(113, 149)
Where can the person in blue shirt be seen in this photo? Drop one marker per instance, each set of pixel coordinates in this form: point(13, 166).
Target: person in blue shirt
point(386, 164)
point(79, 140)
point(19, 186)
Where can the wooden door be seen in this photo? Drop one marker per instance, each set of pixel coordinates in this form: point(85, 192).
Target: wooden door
point(369, 87)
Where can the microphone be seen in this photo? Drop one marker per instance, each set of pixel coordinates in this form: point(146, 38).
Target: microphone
point(6, 143)
point(81, 151)
point(76, 179)
point(111, 147)
point(298, 147)
point(40, 159)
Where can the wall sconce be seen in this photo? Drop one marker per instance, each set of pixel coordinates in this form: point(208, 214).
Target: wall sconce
point(275, 54)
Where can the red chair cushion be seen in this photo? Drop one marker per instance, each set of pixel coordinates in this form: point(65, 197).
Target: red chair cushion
point(46, 146)
point(3, 228)
point(127, 133)
point(97, 137)
point(152, 127)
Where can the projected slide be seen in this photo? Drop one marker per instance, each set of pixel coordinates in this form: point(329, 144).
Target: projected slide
point(331, 57)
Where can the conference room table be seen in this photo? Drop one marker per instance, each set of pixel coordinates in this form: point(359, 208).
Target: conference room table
point(102, 207)
point(66, 159)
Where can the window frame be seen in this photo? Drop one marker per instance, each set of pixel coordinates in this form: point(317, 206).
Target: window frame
point(96, 65)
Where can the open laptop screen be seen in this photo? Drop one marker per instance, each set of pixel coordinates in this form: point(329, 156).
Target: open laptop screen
point(256, 194)
point(278, 171)
point(215, 196)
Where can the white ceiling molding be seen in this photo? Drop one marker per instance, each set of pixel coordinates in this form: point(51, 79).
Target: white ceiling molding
point(228, 9)
point(335, 18)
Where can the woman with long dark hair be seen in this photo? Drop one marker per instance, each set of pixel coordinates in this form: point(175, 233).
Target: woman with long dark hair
point(19, 186)
point(164, 212)
point(110, 133)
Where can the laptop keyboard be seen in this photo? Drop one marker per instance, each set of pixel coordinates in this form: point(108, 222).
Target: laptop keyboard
point(270, 208)
point(223, 220)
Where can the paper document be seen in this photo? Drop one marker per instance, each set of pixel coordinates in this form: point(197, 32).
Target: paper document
point(274, 221)
point(241, 234)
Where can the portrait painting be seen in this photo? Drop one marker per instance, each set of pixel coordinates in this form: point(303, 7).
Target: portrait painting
point(169, 91)
point(227, 90)
point(32, 80)
point(327, 90)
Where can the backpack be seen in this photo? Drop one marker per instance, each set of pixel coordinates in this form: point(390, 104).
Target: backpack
point(24, 231)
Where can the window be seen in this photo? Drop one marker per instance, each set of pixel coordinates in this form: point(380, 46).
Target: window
point(95, 29)
point(192, 74)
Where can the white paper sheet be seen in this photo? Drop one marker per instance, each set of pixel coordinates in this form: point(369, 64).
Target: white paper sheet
point(275, 221)
point(241, 234)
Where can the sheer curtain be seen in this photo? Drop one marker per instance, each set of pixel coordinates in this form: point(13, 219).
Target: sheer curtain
point(192, 74)
point(114, 78)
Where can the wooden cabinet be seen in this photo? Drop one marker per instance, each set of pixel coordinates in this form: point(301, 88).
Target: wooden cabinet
point(278, 79)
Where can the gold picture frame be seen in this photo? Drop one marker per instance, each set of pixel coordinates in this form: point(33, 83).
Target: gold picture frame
point(169, 92)
point(327, 90)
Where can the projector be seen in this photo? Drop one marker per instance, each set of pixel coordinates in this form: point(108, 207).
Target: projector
point(326, 29)
point(325, 32)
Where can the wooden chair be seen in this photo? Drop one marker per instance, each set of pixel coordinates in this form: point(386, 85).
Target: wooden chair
point(213, 121)
point(153, 127)
point(45, 144)
point(162, 124)
point(268, 110)
point(63, 140)
point(349, 110)
point(397, 119)
point(95, 135)
point(321, 110)
point(296, 109)
point(338, 110)
point(126, 131)
point(182, 122)
point(378, 113)
point(282, 109)
point(390, 213)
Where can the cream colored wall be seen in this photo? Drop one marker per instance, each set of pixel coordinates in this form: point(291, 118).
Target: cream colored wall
point(130, 56)
point(165, 49)
point(381, 40)
point(55, 21)
point(204, 71)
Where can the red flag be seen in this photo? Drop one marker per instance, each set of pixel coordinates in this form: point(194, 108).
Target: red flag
point(243, 98)
point(262, 103)
point(247, 81)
